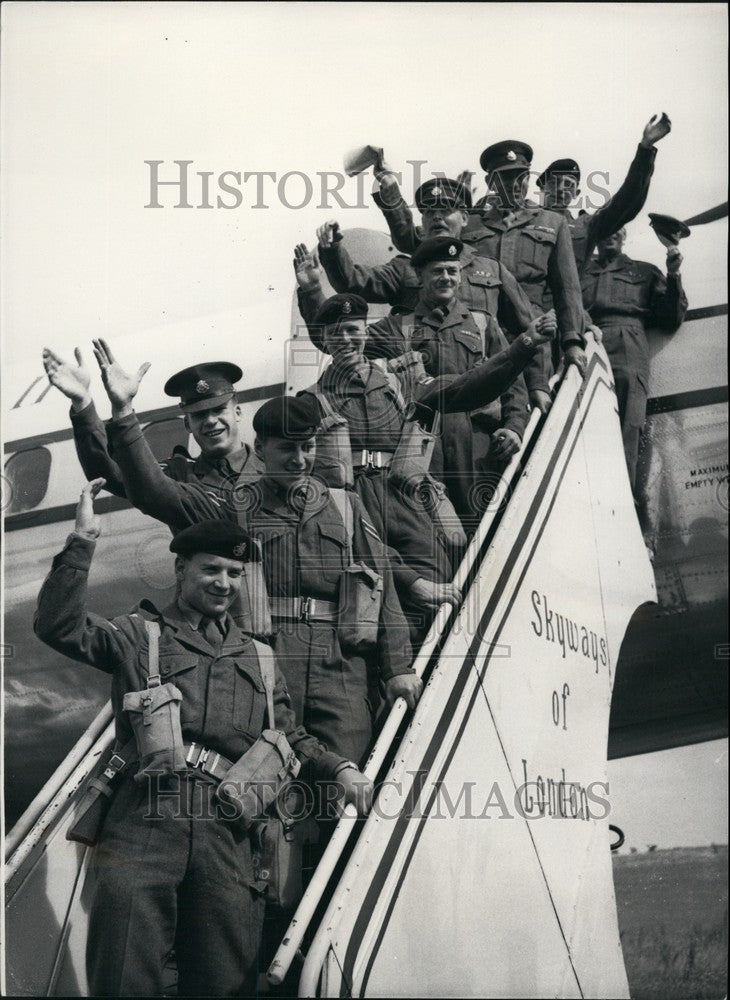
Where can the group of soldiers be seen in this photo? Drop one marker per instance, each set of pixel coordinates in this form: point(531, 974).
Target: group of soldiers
point(334, 539)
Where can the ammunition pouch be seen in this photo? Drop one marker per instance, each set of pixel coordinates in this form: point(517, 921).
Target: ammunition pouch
point(445, 514)
point(255, 779)
point(278, 850)
point(359, 606)
point(412, 457)
point(154, 715)
point(360, 591)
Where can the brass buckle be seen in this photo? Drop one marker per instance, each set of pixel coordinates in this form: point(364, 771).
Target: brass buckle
point(306, 609)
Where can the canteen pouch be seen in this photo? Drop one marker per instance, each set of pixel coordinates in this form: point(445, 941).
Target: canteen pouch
point(154, 715)
point(253, 782)
point(93, 806)
point(360, 600)
point(278, 857)
point(333, 460)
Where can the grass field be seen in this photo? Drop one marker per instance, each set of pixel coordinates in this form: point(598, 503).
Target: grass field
point(673, 917)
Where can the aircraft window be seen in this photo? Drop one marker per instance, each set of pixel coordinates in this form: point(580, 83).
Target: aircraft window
point(27, 475)
point(164, 435)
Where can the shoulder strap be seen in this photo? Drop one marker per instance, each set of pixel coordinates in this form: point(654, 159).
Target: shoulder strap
point(408, 322)
point(267, 666)
point(327, 408)
point(344, 507)
point(393, 381)
point(480, 321)
point(153, 660)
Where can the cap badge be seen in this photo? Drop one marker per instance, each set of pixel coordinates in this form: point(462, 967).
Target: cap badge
point(239, 550)
point(202, 386)
point(436, 192)
point(346, 307)
point(452, 250)
point(511, 155)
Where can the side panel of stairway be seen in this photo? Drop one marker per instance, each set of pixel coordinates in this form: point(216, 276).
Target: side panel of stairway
point(485, 867)
point(48, 885)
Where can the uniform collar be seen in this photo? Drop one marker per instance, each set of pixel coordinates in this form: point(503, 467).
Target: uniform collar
point(237, 460)
point(455, 314)
point(619, 263)
point(174, 618)
point(275, 500)
point(490, 218)
point(564, 211)
point(194, 617)
point(369, 377)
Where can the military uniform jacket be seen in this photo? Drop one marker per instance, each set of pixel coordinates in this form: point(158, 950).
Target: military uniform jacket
point(223, 695)
point(534, 246)
point(93, 449)
point(305, 551)
point(587, 229)
point(451, 343)
point(633, 295)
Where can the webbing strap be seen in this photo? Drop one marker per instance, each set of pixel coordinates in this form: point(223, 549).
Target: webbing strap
point(480, 320)
point(327, 407)
point(408, 323)
point(267, 666)
point(393, 381)
point(153, 659)
point(344, 506)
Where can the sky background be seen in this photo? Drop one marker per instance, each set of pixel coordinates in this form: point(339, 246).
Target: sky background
point(90, 91)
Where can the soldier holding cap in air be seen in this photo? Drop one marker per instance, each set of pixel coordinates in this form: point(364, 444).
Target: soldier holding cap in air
point(487, 288)
point(624, 297)
point(172, 868)
point(212, 415)
point(560, 184)
point(531, 242)
point(448, 342)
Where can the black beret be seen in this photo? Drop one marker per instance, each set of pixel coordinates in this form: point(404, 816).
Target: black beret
point(203, 386)
point(507, 155)
point(294, 417)
point(437, 248)
point(669, 230)
point(564, 166)
point(217, 538)
point(341, 306)
point(442, 192)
